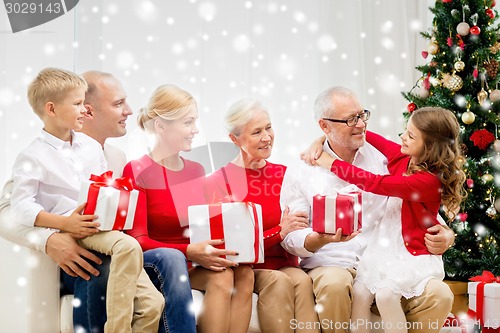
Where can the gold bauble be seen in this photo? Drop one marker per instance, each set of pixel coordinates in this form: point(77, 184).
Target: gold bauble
point(452, 82)
point(487, 177)
point(468, 117)
point(495, 95)
point(433, 48)
point(481, 96)
point(459, 66)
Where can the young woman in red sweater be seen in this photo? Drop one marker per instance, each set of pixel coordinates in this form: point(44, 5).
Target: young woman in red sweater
point(168, 184)
point(425, 173)
point(285, 291)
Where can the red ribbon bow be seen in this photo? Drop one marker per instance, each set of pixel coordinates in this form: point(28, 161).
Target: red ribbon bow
point(483, 279)
point(124, 185)
point(106, 179)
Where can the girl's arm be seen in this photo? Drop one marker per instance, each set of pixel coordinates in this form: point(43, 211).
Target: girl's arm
point(421, 186)
point(389, 148)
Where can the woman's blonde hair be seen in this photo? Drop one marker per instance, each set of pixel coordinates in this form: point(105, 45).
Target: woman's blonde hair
point(168, 102)
point(442, 154)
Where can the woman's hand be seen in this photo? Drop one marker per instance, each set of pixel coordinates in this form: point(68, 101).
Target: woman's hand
point(312, 153)
point(325, 161)
point(294, 221)
point(206, 255)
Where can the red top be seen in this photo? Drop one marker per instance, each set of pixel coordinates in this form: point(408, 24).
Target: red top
point(161, 218)
point(263, 187)
point(421, 192)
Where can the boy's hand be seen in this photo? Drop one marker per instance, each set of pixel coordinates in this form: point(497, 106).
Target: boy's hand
point(80, 226)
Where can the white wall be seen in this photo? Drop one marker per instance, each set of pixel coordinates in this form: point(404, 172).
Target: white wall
point(282, 52)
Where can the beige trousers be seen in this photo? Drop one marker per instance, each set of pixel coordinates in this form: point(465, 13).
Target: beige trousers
point(133, 304)
point(286, 301)
point(333, 290)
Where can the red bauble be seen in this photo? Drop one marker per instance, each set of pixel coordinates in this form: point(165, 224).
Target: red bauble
point(462, 217)
point(491, 13)
point(475, 30)
point(411, 107)
point(447, 1)
point(470, 183)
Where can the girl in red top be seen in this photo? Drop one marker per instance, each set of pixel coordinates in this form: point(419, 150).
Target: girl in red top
point(168, 184)
point(425, 173)
point(285, 291)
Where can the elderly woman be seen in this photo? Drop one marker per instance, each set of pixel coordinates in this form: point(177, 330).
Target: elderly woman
point(286, 298)
point(168, 184)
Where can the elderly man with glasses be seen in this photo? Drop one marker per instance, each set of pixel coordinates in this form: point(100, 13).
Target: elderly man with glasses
point(330, 264)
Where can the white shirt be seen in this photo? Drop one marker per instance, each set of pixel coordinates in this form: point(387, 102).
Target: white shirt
point(302, 182)
point(48, 174)
point(36, 237)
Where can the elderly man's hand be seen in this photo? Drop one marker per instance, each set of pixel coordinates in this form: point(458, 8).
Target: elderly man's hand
point(293, 221)
point(313, 152)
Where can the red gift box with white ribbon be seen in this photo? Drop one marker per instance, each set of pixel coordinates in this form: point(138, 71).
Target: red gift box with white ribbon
point(339, 210)
point(484, 301)
point(113, 200)
point(238, 223)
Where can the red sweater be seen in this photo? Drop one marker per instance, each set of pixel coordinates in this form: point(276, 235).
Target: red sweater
point(161, 218)
point(262, 186)
point(421, 192)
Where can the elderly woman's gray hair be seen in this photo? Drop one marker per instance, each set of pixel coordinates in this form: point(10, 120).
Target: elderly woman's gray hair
point(324, 102)
point(240, 113)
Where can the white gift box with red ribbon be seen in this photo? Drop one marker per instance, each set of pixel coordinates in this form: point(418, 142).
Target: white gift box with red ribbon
point(338, 210)
point(489, 304)
point(238, 223)
point(113, 200)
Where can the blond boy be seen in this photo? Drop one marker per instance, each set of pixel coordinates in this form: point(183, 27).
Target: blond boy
point(47, 176)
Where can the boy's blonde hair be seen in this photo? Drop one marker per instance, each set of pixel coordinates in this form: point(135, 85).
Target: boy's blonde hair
point(52, 85)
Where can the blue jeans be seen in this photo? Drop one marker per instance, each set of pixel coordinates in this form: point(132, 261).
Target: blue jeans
point(167, 270)
point(89, 309)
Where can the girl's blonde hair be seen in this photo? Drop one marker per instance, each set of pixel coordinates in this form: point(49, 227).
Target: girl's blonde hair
point(168, 102)
point(442, 154)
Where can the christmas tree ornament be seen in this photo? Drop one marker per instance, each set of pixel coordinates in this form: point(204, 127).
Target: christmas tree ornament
point(462, 216)
point(495, 48)
point(411, 107)
point(482, 138)
point(491, 211)
point(475, 30)
point(487, 177)
point(463, 28)
point(455, 13)
point(459, 65)
point(468, 117)
point(425, 54)
point(452, 82)
point(490, 13)
point(496, 146)
point(491, 67)
point(481, 96)
point(421, 92)
point(495, 95)
point(470, 182)
point(497, 205)
point(433, 48)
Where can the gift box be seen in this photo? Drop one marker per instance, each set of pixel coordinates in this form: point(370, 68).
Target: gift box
point(340, 210)
point(113, 200)
point(484, 300)
point(238, 223)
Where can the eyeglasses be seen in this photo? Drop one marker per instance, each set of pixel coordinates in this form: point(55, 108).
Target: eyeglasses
point(352, 121)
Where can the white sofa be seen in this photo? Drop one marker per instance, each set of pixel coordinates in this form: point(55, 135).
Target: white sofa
point(43, 311)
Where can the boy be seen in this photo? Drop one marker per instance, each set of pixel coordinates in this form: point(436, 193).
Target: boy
point(47, 176)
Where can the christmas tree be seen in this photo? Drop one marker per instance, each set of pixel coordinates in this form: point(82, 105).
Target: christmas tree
point(462, 75)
